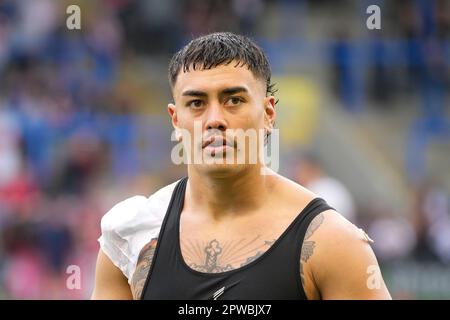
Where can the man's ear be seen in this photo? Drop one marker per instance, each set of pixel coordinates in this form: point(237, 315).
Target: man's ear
point(172, 110)
point(269, 113)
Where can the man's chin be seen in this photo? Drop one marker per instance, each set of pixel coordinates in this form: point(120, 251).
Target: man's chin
point(220, 169)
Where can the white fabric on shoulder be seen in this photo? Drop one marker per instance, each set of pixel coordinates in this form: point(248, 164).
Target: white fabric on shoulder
point(130, 225)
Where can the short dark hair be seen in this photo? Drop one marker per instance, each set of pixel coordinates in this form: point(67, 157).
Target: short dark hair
point(221, 48)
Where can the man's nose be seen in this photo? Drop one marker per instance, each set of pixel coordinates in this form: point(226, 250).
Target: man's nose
point(215, 118)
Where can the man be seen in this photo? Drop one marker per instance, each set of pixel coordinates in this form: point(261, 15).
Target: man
point(230, 230)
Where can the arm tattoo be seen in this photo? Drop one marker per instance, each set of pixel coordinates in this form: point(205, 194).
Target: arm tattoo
point(315, 224)
point(142, 268)
point(308, 245)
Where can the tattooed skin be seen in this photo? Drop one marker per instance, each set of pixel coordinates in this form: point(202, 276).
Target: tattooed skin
point(308, 245)
point(142, 268)
point(215, 257)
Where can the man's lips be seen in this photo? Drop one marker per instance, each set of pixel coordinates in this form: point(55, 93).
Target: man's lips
point(216, 141)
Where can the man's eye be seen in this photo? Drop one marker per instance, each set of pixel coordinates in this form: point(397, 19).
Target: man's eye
point(234, 101)
point(195, 104)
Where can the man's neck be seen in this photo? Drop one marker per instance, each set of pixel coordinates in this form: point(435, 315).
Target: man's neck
point(230, 194)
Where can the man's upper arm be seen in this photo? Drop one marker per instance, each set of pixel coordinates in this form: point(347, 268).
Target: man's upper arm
point(342, 264)
point(110, 282)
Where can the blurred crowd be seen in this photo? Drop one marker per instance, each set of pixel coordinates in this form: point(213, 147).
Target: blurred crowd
point(78, 133)
point(409, 55)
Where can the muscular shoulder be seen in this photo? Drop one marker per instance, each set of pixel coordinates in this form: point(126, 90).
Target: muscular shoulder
point(335, 230)
point(337, 260)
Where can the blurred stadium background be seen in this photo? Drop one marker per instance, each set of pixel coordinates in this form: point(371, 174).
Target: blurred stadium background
point(363, 116)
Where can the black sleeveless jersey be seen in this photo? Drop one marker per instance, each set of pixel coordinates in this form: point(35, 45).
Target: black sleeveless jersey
point(273, 275)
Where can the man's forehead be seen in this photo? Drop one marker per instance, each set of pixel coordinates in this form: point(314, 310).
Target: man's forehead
point(220, 76)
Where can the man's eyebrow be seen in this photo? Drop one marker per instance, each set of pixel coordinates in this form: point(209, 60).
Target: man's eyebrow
point(233, 90)
point(224, 92)
point(194, 93)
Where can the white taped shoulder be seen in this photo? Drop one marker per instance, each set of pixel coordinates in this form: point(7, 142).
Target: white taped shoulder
point(131, 224)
